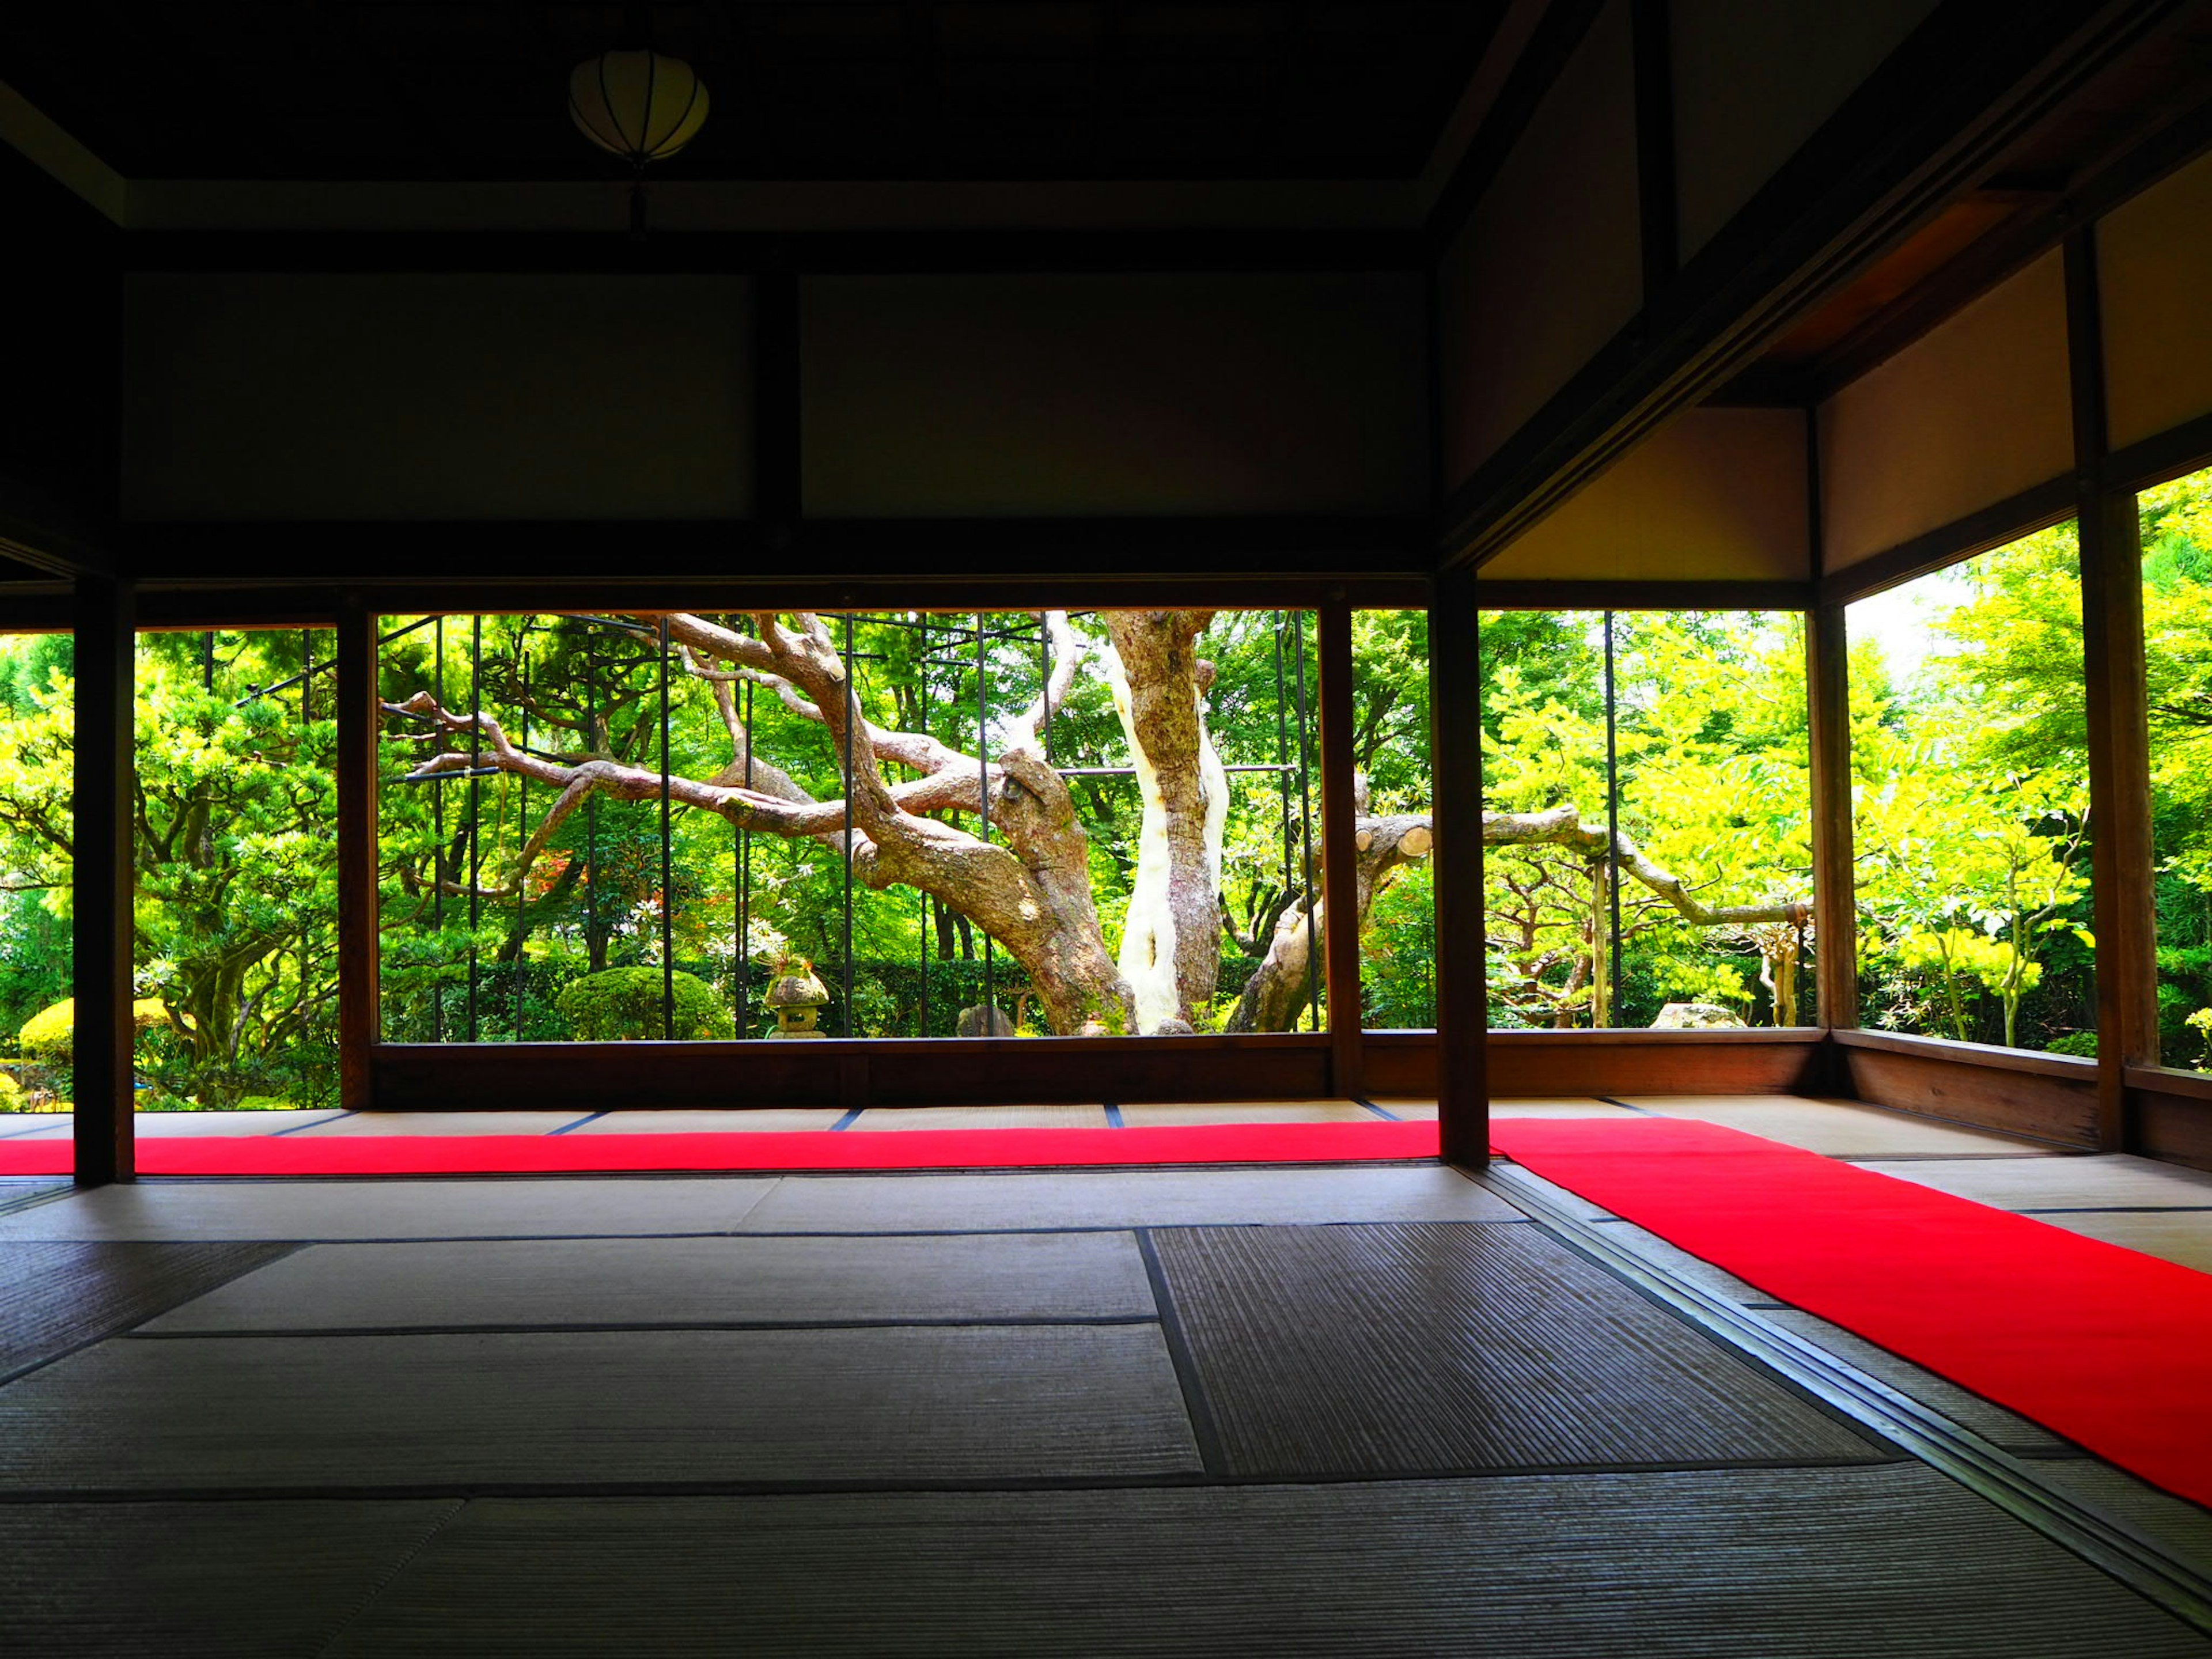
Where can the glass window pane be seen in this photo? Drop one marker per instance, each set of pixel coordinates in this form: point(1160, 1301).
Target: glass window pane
point(2177, 538)
point(1970, 764)
point(1390, 740)
point(38, 750)
point(1105, 823)
point(1647, 778)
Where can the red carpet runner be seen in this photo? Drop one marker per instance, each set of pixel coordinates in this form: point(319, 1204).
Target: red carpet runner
point(815, 1148)
point(2107, 1347)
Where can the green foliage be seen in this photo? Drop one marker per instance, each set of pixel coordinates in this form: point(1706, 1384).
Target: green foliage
point(626, 1004)
point(51, 1034)
point(235, 903)
point(2081, 1043)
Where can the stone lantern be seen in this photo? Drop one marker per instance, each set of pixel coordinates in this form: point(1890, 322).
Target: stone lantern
point(795, 999)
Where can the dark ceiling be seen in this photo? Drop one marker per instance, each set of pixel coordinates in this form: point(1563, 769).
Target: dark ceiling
point(819, 89)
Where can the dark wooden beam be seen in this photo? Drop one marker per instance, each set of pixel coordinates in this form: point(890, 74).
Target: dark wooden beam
point(1339, 852)
point(1462, 958)
point(2037, 508)
point(1940, 112)
point(2120, 736)
point(884, 252)
point(485, 556)
point(101, 927)
point(1657, 203)
point(1542, 60)
point(2163, 455)
point(2044, 212)
point(360, 1003)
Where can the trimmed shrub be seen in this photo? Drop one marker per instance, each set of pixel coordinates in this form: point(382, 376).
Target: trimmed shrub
point(51, 1034)
point(623, 1004)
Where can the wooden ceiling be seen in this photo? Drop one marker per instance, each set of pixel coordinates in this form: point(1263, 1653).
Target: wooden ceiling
point(2073, 167)
point(826, 89)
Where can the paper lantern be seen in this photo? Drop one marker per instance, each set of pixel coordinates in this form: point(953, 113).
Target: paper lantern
point(641, 106)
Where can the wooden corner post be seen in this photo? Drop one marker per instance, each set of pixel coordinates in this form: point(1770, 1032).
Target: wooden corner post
point(1835, 888)
point(1462, 972)
point(1340, 852)
point(101, 933)
point(2119, 739)
point(357, 896)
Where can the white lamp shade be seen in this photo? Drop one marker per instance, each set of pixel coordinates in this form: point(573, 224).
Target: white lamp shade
point(640, 106)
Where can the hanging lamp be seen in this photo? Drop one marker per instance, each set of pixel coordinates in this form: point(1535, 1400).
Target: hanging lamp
point(641, 105)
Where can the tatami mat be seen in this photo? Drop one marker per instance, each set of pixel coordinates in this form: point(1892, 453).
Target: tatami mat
point(391, 1209)
point(575, 1408)
point(1121, 1198)
point(1350, 1350)
point(681, 1281)
point(1146, 1116)
point(2116, 1181)
point(768, 1120)
point(55, 1296)
point(982, 1117)
point(199, 1580)
point(2183, 1236)
point(443, 1123)
point(1963, 1407)
point(1833, 1563)
point(1839, 1128)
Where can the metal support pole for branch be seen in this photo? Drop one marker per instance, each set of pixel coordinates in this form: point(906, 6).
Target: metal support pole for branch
point(1305, 818)
point(475, 805)
point(207, 662)
point(306, 675)
point(745, 889)
point(1340, 848)
point(591, 803)
point(851, 716)
point(1611, 1009)
point(667, 862)
point(521, 842)
point(928, 904)
point(1282, 756)
point(983, 777)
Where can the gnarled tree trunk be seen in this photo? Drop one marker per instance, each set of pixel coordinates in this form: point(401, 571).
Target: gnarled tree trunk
point(1170, 946)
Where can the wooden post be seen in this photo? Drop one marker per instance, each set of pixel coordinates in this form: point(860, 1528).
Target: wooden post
point(358, 998)
point(1462, 974)
point(106, 638)
point(1339, 851)
point(1835, 889)
point(2119, 739)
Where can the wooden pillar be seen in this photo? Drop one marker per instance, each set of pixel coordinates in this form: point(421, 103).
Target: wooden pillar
point(1340, 852)
point(106, 637)
point(358, 1010)
point(2119, 740)
point(1462, 972)
point(1835, 891)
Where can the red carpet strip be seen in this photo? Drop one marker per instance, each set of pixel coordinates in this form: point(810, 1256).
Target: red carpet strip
point(815, 1148)
point(2105, 1345)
